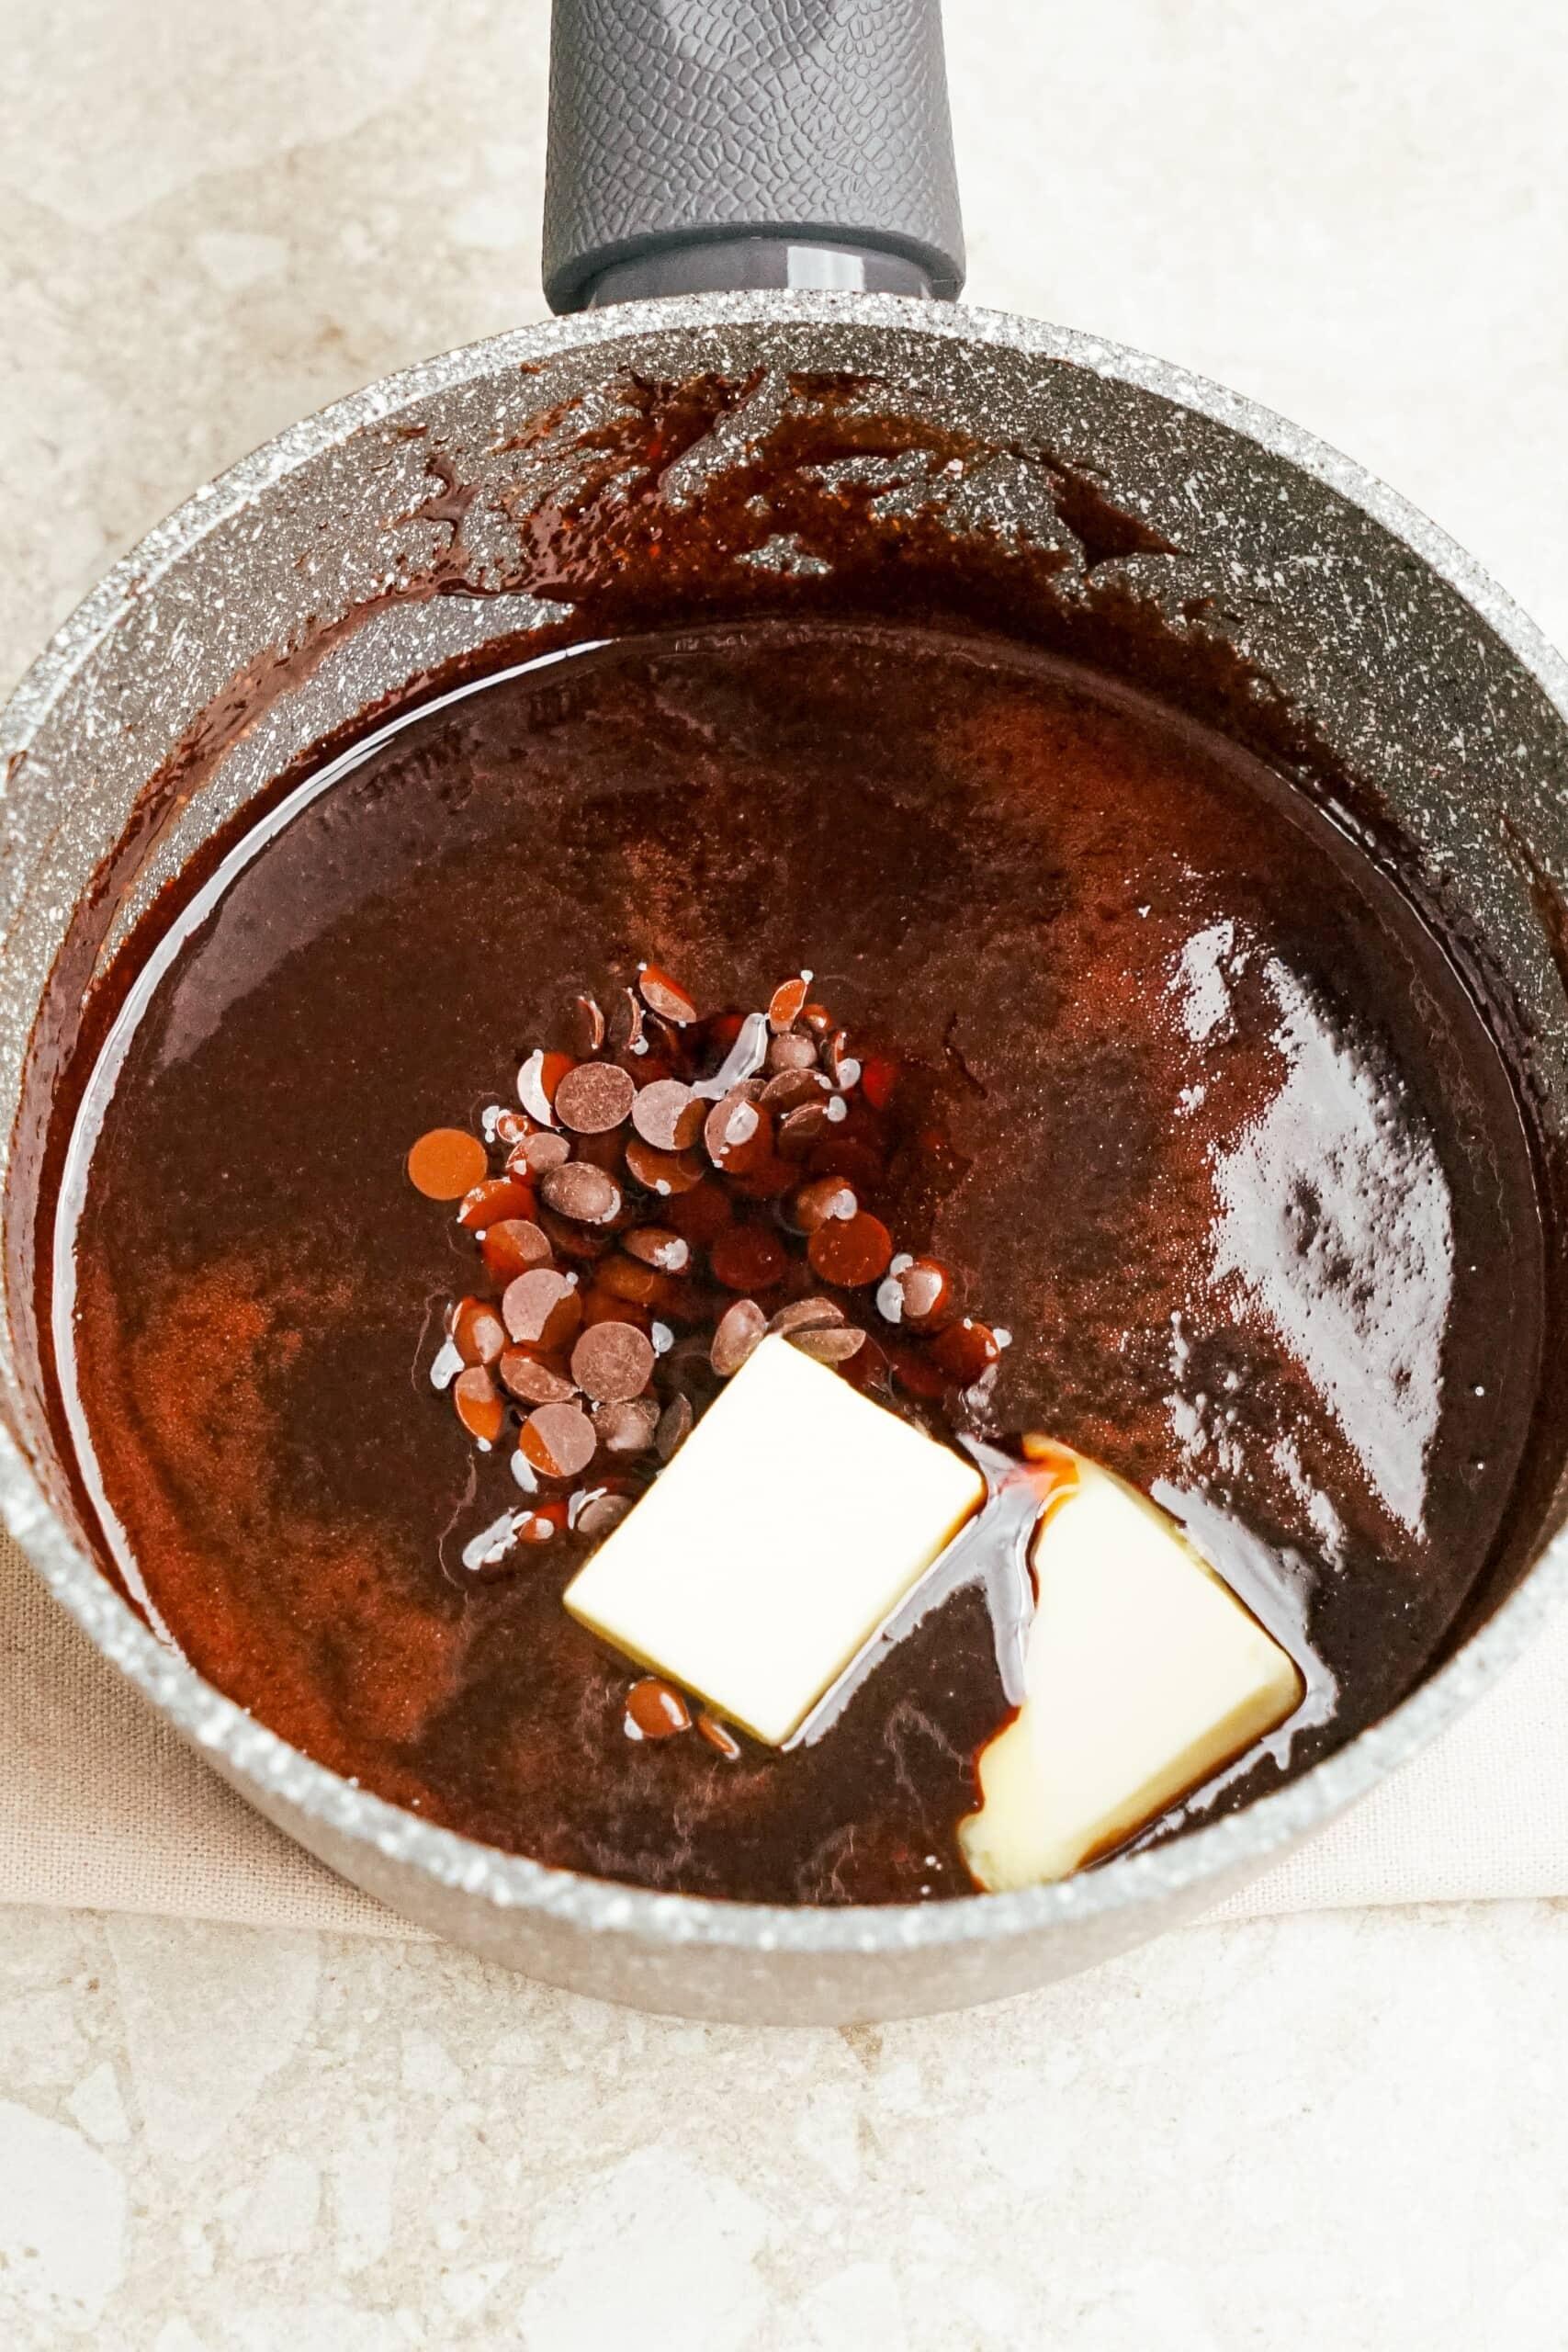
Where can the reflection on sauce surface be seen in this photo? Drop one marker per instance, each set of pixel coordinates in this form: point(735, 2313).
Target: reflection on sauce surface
point(1336, 1223)
point(1235, 1162)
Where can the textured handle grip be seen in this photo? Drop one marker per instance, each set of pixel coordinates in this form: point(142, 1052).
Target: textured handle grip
point(676, 123)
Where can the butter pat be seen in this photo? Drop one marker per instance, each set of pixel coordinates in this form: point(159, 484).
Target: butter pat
point(1144, 1676)
point(792, 1521)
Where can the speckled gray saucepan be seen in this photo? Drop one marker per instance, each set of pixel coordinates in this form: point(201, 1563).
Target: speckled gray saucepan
point(307, 573)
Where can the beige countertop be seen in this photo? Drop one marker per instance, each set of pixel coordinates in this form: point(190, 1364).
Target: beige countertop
point(1346, 2129)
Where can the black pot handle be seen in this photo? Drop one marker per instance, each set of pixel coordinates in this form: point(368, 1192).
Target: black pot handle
point(698, 145)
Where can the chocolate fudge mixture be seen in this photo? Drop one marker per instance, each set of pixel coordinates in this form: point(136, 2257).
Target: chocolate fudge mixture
point(1186, 1101)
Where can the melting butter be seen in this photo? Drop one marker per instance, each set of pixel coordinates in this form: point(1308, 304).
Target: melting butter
point(1144, 1676)
point(796, 1516)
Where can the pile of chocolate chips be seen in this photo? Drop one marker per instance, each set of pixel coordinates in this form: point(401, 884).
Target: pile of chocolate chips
point(671, 1191)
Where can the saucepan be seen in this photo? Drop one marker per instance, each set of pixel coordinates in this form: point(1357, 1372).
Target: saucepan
point(751, 233)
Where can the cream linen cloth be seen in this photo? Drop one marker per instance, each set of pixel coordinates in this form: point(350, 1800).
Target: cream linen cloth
point(101, 1807)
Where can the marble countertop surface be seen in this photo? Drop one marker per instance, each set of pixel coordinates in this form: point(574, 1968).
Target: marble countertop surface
point(1346, 2129)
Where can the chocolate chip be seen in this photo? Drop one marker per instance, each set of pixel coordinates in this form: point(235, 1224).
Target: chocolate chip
point(851, 1251)
point(541, 1309)
point(477, 1333)
point(747, 1258)
point(786, 1005)
point(479, 1404)
point(626, 1426)
point(737, 1132)
point(600, 1513)
point(668, 1116)
point(795, 1073)
point(594, 1097)
point(664, 1173)
point(536, 1527)
point(627, 1024)
point(839, 1063)
point(825, 1199)
point(830, 1346)
point(536, 1083)
point(657, 1246)
point(513, 1246)
point(740, 1331)
point(625, 1282)
point(816, 1018)
point(794, 1086)
point(664, 996)
point(587, 1194)
point(557, 1440)
point(920, 1293)
point(719, 1735)
point(588, 1026)
point(655, 1710)
point(545, 1150)
point(533, 1381)
point(611, 1362)
point(446, 1163)
point(967, 1350)
point(674, 1426)
point(497, 1197)
point(806, 1315)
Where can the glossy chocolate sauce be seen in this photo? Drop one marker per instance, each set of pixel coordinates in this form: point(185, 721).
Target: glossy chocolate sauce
point(1232, 1155)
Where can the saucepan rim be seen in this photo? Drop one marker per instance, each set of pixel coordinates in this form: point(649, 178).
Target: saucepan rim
point(1224, 1850)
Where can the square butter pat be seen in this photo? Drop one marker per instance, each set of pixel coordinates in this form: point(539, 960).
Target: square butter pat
point(792, 1521)
point(1145, 1676)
